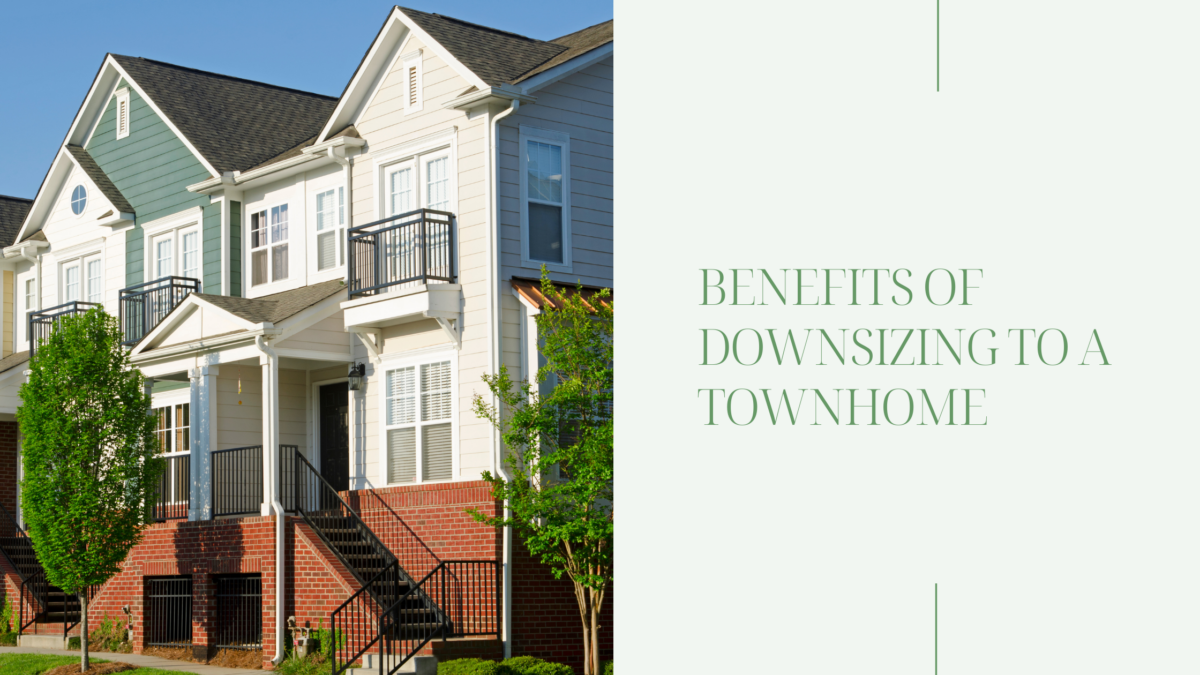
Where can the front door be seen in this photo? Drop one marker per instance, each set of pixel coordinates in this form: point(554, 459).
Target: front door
point(335, 435)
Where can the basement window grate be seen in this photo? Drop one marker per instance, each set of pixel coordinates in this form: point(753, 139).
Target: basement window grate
point(168, 620)
point(239, 611)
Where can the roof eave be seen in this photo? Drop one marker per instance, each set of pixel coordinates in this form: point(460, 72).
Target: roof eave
point(503, 94)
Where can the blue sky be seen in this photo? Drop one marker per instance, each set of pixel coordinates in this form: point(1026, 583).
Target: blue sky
point(52, 50)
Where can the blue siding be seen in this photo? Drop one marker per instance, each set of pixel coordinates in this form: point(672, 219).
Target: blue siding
point(152, 168)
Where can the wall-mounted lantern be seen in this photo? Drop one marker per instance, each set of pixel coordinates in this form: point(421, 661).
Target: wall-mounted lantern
point(358, 373)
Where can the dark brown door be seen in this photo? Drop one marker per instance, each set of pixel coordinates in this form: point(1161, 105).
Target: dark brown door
point(335, 435)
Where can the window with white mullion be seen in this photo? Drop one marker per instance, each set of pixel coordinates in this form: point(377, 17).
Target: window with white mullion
point(191, 254)
point(173, 433)
point(269, 245)
point(331, 228)
point(545, 158)
point(95, 280)
point(71, 282)
point(419, 413)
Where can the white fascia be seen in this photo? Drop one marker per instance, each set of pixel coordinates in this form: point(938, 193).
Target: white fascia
point(308, 158)
point(24, 248)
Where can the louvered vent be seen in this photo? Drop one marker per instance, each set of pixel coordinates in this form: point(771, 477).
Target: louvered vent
point(412, 85)
point(122, 115)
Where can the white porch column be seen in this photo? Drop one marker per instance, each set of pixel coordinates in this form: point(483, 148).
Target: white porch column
point(204, 440)
point(270, 407)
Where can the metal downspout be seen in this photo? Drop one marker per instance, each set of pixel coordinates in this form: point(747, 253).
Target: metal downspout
point(271, 450)
point(494, 354)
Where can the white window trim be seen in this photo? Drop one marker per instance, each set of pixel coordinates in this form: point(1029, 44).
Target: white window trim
point(249, 289)
point(341, 211)
point(404, 360)
point(413, 60)
point(87, 196)
point(179, 222)
point(122, 96)
point(388, 158)
point(170, 399)
point(563, 140)
point(78, 257)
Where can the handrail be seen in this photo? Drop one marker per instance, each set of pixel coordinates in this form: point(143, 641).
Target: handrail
point(359, 609)
point(145, 305)
point(37, 585)
point(237, 481)
point(393, 629)
point(365, 531)
point(50, 316)
point(19, 533)
point(417, 246)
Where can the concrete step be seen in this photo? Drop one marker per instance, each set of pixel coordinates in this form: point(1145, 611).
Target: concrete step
point(43, 641)
point(420, 665)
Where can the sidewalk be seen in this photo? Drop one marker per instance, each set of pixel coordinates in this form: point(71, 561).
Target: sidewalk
point(138, 660)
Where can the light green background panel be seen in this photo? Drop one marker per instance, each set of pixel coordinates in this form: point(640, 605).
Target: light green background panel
point(1059, 157)
point(152, 168)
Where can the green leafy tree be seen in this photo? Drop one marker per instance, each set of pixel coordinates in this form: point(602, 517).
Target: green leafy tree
point(558, 432)
point(89, 455)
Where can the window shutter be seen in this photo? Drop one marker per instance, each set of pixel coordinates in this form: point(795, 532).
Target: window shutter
point(412, 85)
point(436, 446)
point(402, 455)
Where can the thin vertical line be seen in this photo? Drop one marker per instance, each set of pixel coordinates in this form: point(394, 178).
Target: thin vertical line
point(935, 629)
point(939, 45)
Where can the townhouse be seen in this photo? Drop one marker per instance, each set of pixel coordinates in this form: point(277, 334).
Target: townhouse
point(313, 287)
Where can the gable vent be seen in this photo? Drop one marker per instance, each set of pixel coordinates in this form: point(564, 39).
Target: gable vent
point(122, 113)
point(412, 85)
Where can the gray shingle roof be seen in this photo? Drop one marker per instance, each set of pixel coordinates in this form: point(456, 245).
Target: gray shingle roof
point(93, 170)
point(13, 360)
point(277, 307)
point(296, 151)
point(577, 43)
point(496, 56)
point(234, 123)
point(12, 213)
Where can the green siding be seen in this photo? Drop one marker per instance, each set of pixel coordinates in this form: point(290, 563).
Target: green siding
point(152, 168)
point(235, 249)
point(164, 386)
point(211, 235)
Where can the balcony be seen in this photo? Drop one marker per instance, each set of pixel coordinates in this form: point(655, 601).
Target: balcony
point(145, 305)
point(403, 269)
point(410, 249)
point(42, 323)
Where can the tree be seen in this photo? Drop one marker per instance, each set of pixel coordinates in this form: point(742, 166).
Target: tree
point(559, 492)
point(88, 449)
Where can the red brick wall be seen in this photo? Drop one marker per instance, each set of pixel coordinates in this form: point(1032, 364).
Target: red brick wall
point(8, 466)
point(545, 614)
point(201, 549)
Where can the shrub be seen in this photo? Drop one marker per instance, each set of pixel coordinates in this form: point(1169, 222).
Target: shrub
point(73, 642)
point(471, 667)
point(8, 639)
point(529, 665)
point(607, 668)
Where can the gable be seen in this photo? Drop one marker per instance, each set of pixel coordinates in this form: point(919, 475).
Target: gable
point(152, 168)
point(201, 323)
point(384, 121)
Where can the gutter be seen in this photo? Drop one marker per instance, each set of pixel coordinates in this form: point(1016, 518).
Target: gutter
point(239, 178)
point(494, 347)
point(503, 95)
point(21, 251)
point(271, 452)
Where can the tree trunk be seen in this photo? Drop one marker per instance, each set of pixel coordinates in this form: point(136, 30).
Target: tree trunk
point(83, 629)
point(595, 610)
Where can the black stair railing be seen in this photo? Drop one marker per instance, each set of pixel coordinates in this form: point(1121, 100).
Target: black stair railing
point(409, 248)
point(33, 593)
point(42, 323)
point(145, 305)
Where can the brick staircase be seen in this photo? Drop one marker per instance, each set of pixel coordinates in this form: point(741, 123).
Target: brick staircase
point(54, 612)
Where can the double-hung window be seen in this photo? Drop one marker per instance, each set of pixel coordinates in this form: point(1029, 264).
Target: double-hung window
point(419, 422)
point(269, 245)
point(82, 279)
point(545, 197)
point(425, 181)
point(173, 433)
point(176, 253)
point(331, 229)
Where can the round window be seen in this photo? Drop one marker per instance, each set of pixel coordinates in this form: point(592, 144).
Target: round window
point(79, 199)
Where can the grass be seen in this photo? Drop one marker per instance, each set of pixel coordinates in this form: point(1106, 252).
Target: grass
point(32, 664)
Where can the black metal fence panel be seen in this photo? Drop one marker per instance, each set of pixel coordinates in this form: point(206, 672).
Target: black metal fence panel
point(409, 248)
point(239, 611)
point(168, 621)
point(174, 489)
point(42, 323)
point(237, 480)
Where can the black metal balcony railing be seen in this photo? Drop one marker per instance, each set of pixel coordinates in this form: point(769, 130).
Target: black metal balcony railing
point(145, 305)
point(410, 248)
point(174, 489)
point(42, 323)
